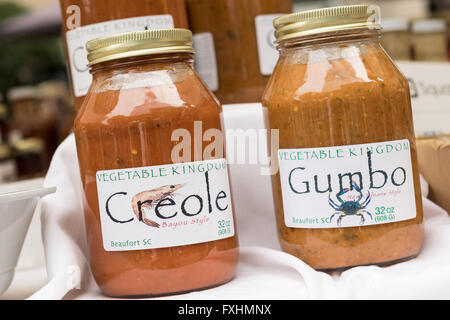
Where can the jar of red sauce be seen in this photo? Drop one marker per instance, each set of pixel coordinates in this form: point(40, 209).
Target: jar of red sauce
point(84, 20)
point(347, 192)
point(157, 206)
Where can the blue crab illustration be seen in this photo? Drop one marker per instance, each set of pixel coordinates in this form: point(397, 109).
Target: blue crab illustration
point(350, 208)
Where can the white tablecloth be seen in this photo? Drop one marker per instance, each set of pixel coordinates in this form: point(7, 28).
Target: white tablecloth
point(264, 272)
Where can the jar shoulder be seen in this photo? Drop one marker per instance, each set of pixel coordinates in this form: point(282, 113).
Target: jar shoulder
point(157, 94)
point(321, 74)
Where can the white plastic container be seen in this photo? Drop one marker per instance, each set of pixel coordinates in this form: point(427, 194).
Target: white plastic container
point(18, 201)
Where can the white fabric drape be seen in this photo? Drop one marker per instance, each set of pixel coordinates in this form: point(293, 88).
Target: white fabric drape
point(264, 272)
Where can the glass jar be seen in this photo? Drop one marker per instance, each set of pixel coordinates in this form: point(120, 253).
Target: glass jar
point(430, 40)
point(347, 192)
point(158, 212)
point(84, 20)
point(53, 97)
point(8, 169)
point(3, 122)
point(24, 102)
point(31, 158)
point(396, 38)
point(234, 45)
point(33, 117)
point(441, 10)
point(65, 127)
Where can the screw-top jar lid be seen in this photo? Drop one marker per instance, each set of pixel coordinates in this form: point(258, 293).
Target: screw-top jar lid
point(429, 25)
point(139, 43)
point(53, 89)
point(30, 145)
point(5, 151)
point(327, 20)
point(395, 24)
point(24, 92)
point(3, 111)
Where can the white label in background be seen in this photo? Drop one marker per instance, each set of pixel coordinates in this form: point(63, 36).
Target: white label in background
point(430, 95)
point(205, 62)
point(347, 186)
point(77, 38)
point(268, 54)
point(165, 206)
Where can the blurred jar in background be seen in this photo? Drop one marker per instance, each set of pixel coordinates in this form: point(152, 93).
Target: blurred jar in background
point(234, 43)
point(8, 170)
point(84, 20)
point(35, 115)
point(66, 125)
point(3, 122)
point(442, 11)
point(24, 103)
point(396, 38)
point(430, 40)
point(30, 158)
point(54, 101)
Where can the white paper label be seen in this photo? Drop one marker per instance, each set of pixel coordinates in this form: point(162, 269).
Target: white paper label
point(430, 95)
point(77, 38)
point(205, 62)
point(268, 54)
point(165, 206)
point(347, 186)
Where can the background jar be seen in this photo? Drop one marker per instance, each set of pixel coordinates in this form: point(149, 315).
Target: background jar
point(4, 122)
point(84, 20)
point(8, 169)
point(24, 103)
point(430, 40)
point(56, 112)
point(442, 11)
point(396, 39)
point(35, 117)
point(227, 38)
point(334, 88)
point(31, 158)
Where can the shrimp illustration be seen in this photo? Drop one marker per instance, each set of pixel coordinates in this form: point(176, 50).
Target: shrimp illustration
point(149, 199)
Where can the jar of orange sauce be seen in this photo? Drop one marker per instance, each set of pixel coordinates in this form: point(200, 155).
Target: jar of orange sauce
point(157, 206)
point(347, 192)
point(84, 20)
point(233, 40)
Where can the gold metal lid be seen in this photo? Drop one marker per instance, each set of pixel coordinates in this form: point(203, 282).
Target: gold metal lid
point(139, 43)
point(5, 151)
point(327, 20)
point(3, 111)
point(29, 145)
point(22, 93)
point(53, 89)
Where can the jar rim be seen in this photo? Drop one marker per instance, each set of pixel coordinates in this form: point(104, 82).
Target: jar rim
point(32, 145)
point(139, 43)
point(311, 22)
